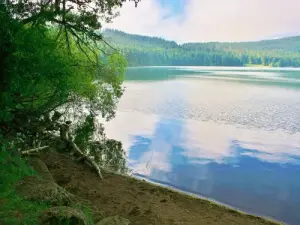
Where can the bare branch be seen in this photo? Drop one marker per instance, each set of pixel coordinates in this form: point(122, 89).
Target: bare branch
point(28, 152)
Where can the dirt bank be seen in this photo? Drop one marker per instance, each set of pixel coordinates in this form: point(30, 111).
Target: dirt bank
point(140, 202)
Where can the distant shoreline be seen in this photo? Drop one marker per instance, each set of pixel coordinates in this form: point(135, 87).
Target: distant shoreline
point(252, 66)
point(262, 66)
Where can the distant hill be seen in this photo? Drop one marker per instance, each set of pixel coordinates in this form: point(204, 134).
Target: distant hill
point(124, 39)
point(289, 44)
point(153, 51)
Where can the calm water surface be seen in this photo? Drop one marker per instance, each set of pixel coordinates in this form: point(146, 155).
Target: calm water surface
point(228, 134)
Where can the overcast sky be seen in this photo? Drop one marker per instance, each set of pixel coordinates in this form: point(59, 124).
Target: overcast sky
point(211, 20)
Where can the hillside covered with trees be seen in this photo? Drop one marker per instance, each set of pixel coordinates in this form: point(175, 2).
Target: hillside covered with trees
point(153, 51)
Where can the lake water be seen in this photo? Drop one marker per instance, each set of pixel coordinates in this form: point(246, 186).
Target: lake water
point(228, 134)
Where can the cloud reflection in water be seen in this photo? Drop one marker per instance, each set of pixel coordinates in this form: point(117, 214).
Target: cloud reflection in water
point(253, 170)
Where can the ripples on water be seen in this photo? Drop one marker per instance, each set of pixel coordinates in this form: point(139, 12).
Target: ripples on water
point(229, 134)
point(222, 102)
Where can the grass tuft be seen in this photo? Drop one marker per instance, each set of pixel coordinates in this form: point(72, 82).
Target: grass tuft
point(13, 208)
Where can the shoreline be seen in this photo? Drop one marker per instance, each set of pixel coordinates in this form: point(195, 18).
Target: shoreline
point(140, 201)
point(198, 196)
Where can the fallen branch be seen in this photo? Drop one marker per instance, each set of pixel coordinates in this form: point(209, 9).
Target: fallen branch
point(67, 138)
point(28, 152)
point(64, 135)
point(84, 157)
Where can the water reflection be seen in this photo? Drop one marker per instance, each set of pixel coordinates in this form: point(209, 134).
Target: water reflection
point(229, 134)
point(254, 170)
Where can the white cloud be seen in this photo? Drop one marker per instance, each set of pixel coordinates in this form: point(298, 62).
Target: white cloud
point(212, 20)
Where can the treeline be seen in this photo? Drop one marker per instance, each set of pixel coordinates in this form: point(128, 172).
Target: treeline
point(153, 51)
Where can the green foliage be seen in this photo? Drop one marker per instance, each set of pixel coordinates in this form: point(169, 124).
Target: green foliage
point(13, 208)
point(76, 19)
point(114, 156)
point(47, 68)
point(84, 132)
point(51, 60)
point(108, 153)
point(152, 51)
point(42, 72)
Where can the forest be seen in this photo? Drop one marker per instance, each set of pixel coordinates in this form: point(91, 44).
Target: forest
point(152, 51)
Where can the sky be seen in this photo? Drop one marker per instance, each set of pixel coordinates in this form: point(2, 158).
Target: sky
point(210, 20)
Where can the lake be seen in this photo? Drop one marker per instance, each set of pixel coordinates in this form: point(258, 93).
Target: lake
point(228, 134)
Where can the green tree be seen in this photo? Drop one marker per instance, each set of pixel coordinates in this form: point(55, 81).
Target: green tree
point(55, 62)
